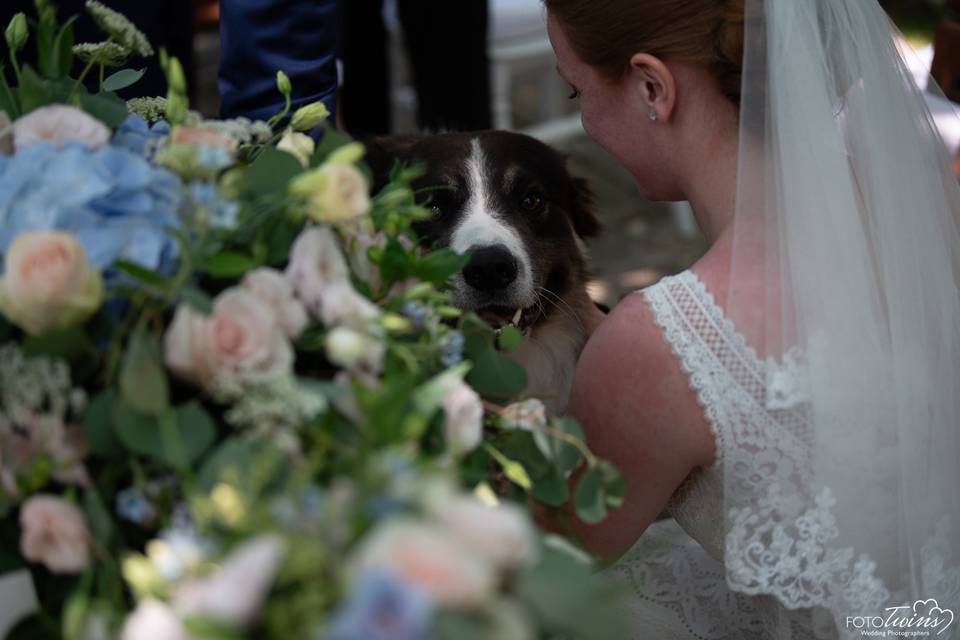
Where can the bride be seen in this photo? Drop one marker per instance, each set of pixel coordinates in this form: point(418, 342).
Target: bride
point(793, 399)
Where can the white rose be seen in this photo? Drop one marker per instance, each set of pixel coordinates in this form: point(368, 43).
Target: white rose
point(54, 533)
point(235, 593)
point(59, 123)
point(425, 555)
point(48, 283)
point(299, 145)
point(270, 286)
point(315, 264)
point(354, 350)
point(502, 534)
point(6, 134)
point(239, 343)
point(463, 418)
point(153, 620)
point(335, 192)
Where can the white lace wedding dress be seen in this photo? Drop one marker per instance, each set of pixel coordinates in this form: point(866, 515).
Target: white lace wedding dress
point(676, 569)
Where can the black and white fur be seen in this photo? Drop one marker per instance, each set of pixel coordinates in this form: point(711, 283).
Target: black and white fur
point(508, 201)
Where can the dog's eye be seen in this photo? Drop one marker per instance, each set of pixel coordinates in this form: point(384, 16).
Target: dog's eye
point(532, 202)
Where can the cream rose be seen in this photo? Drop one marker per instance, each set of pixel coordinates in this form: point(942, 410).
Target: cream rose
point(239, 343)
point(299, 145)
point(59, 124)
point(335, 192)
point(54, 533)
point(502, 534)
point(270, 286)
point(153, 620)
point(426, 555)
point(463, 418)
point(48, 283)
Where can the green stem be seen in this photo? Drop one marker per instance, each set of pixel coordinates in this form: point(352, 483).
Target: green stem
point(16, 66)
point(83, 74)
point(283, 114)
point(101, 78)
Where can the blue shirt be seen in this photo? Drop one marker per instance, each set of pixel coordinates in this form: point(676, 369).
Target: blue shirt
point(260, 37)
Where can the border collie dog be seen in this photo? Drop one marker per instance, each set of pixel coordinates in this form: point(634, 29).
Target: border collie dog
point(509, 202)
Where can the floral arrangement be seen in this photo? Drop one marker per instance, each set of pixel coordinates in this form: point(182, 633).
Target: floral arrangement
point(235, 400)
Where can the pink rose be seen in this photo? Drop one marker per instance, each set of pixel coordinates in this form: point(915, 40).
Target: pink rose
point(270, 286)
point(59, 124)
point(463, 418)
point(153, 620)
point(234, 594)
point(48, 282)
point(241, 342)
point(54, 533)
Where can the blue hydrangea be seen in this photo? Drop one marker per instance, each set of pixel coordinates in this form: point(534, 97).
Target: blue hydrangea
point(133, 506)
point(416, 312)
point(383, 608)
point(452, 349)
point(115, 201)
point(217, 211)
point(134, 134)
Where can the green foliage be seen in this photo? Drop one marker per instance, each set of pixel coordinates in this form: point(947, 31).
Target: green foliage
point(122, 79)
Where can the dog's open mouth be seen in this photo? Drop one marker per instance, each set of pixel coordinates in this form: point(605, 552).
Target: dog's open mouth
point(523, 319)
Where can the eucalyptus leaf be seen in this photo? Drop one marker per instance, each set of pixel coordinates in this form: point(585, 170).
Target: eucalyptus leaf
point(551, 490)
point(140, 273)
point(98, 425)
point(143, 381)
point(271, 172)
point(68, 344)
point(497, 377)
point(588, 497)
point(510, 338)
point(197, 299)
point(98, 515)
point(228, 264)
point(437, 266)
point(106, 107)
point(122, 79)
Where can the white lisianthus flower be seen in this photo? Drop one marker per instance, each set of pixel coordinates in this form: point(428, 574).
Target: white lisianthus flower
point(59, 124)
point(309, 116)
point(48, 283)
point(54, 533)
point(355, 350)
point(503, 534)
point(463, 418)
point(240, 343)
point(316, 263)
point(335, 192)
point(270, 286)
point(427, 556)
point(153, 620)
point(235, 593)
point(299, 145)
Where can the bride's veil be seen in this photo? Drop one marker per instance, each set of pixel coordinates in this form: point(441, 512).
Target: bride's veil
point(846, 261)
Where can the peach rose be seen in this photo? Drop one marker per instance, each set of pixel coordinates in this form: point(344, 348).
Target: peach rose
point(59, 124)
point(426, 555)
point(239, 343)
point(199, 137)
point(54, 533)
point(335, 192)
point(463, 418)
point(270, 286)
point(48, 283)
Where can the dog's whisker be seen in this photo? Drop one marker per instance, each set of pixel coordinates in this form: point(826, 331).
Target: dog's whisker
point(568, 310)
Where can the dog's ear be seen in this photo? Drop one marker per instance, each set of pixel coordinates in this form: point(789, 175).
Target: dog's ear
point(583, 209)
point(383, 152)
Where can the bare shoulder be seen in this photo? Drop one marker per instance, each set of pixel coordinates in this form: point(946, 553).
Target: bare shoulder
point(638, 411)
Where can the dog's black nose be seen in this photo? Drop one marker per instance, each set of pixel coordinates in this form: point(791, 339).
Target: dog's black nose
point(490, 268)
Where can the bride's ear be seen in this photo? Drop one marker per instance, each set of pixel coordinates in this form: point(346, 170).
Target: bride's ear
point(656, 87)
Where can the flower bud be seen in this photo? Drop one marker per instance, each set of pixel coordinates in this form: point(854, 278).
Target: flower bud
point(16, 32)
point(307, 117)
point(283, 84)
point(176, 79)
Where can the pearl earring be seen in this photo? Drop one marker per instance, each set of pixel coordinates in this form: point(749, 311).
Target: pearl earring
point(654, 116)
